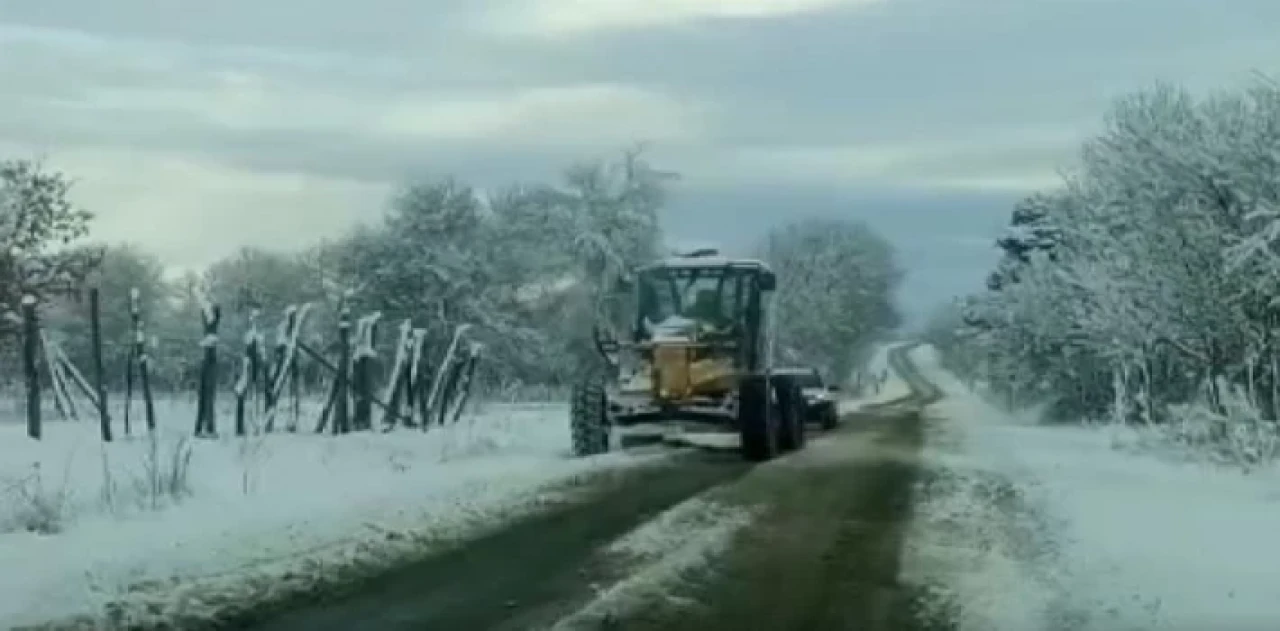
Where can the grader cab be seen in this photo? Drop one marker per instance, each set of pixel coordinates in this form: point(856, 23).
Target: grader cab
point(698, 354)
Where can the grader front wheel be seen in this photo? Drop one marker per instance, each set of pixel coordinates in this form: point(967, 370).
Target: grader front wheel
point(588, 419)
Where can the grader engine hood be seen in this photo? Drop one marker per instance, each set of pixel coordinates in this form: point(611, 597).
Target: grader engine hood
point(681, 367)
point(678, 373)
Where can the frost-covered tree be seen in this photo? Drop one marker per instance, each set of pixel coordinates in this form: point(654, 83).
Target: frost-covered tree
point(609, 212)
point(123, 267)
point(445, 254)
point(836, 286)
point(1030, 230)
point(40, 229)
point(256, 280)
point(1159, 286)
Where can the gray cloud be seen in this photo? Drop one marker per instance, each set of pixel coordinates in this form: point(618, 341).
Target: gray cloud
point(927, 117)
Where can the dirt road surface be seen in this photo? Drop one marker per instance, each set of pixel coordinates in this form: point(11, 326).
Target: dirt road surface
point(824, 554)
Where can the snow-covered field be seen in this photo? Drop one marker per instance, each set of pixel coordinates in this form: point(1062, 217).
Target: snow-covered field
point(1034, 527)
point(147, 529)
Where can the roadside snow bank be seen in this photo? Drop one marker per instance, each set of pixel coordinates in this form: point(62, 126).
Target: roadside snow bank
point(145, 530)
point(1032, 527)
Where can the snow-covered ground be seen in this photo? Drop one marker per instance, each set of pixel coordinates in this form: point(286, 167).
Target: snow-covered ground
point(1033, 527)
point(147, 528)
point(884, 384)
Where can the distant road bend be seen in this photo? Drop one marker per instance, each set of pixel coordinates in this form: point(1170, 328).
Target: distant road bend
point(823, 553)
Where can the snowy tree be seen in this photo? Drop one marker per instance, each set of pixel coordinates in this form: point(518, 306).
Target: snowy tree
point(609, 212)
point(40, 230)
point(123, 267)
point(1030, 230)
point(422, 262)
point(836, 285)
point(1159, 286)
point(257, 279)
point(445, 254)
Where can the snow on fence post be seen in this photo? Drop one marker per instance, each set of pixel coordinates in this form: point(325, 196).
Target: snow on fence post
point(453, 370)
point(30, 373)
point(295, 387)
point(451, 393)
point(463, 393)
point(330, 402)
point(362, 370)
point(138, 361)
point(95, 331)
point(278, 361)
point(415, 394)
point(211, 315)
point(249, 365)
point(286, 364)
point(342, 385)
point(143, 357)
point(441, 371)
point(394, 391)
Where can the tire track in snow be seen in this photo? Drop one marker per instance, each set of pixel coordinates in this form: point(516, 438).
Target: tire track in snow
point(527, 575)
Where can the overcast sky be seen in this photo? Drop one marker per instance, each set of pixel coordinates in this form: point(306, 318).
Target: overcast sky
point(197, 127)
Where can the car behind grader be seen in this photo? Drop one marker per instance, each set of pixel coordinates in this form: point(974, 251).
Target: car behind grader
point(699, 354)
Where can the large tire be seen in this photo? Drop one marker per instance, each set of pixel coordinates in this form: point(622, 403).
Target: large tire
point(588, 419)
point(830, 417)
point(791, 434)
point(757, 420)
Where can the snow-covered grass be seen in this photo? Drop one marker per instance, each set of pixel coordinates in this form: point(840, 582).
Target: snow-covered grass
point(1036, 527)
point(147, 529)
point(661, 554)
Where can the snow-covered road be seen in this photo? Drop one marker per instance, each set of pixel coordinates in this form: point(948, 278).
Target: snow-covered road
point(1023, 527)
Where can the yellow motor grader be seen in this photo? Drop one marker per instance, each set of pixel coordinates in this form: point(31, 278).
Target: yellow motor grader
point(699, 354)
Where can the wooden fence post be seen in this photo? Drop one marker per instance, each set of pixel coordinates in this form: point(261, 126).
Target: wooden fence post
point(206, 423)
point(468, 380)
point(342, 410)
point(362, 367)
point(393, 393)
point(95, 329)
point(30, 343)
point(248, 377)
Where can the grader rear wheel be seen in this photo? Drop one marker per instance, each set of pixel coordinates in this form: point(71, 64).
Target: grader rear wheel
point(791, 417)
point(757, 419)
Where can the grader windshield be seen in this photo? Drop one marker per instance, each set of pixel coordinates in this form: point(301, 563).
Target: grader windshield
point(708, 295)
point(716, 298)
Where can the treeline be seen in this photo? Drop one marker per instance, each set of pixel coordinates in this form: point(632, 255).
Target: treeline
point(442, 254)
point(1145, 288)
point(523, 265)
